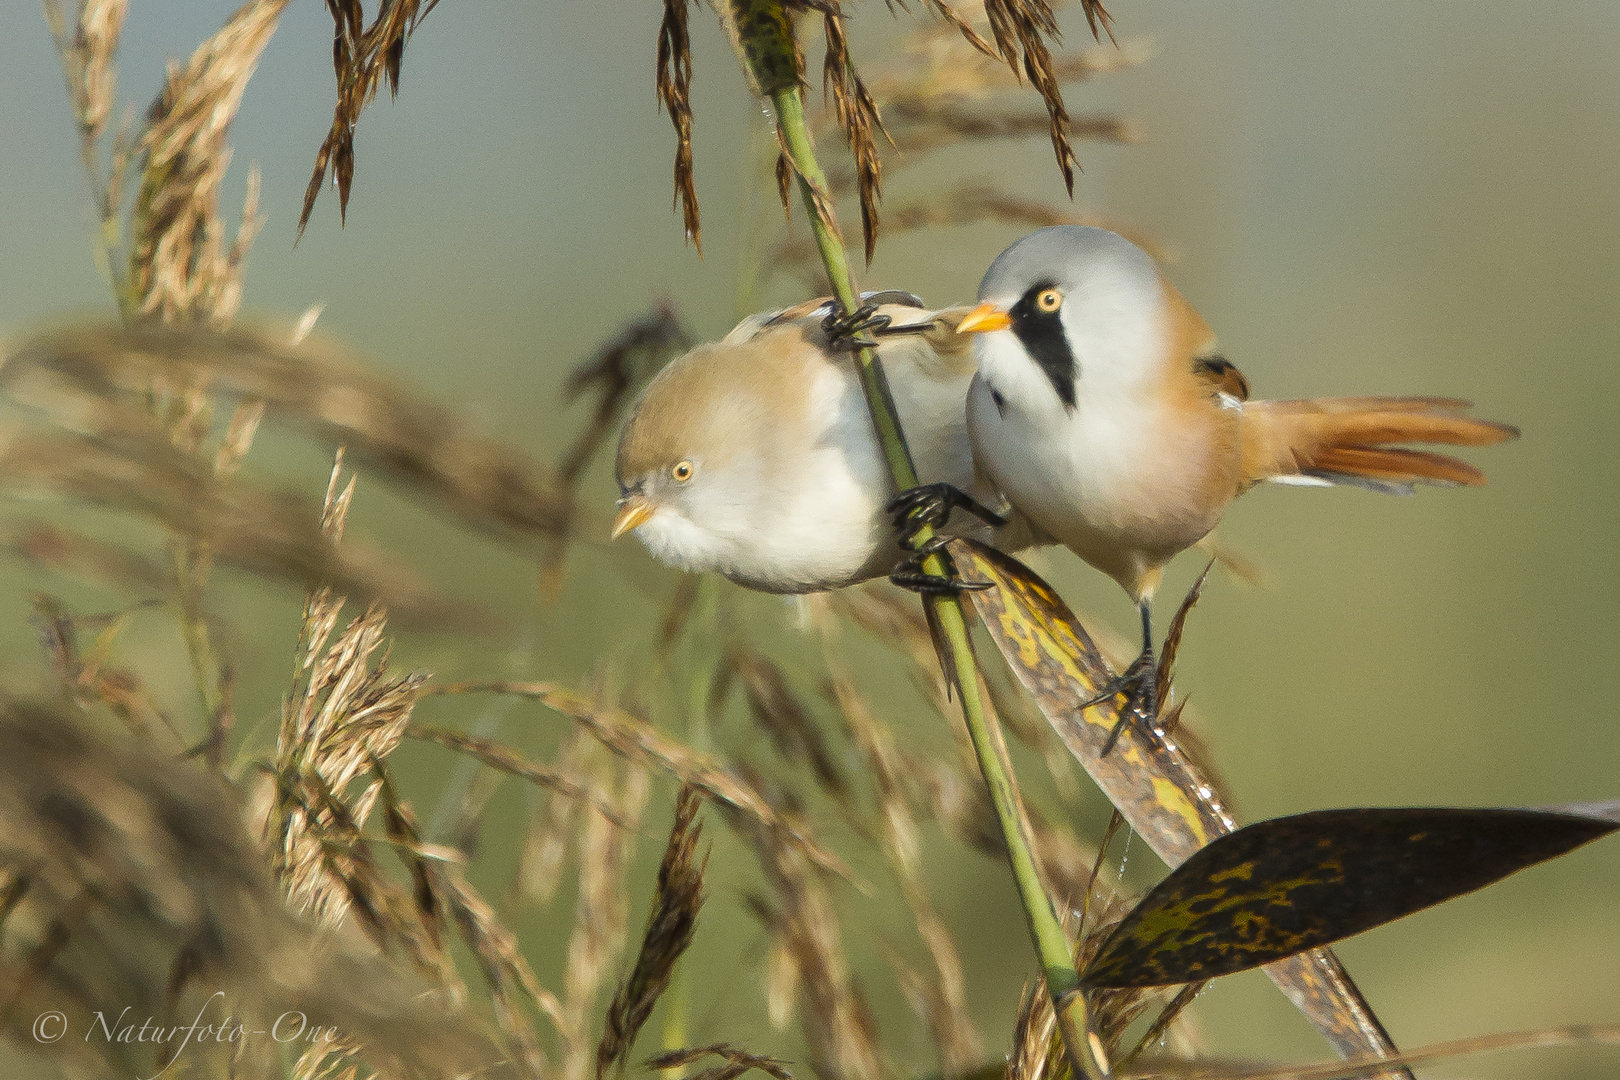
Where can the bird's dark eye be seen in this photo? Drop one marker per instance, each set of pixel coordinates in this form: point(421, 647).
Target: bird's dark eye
point(1048, 301)
point(682, 471)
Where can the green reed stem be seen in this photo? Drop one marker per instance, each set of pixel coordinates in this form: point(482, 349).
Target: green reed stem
point(1051, 946)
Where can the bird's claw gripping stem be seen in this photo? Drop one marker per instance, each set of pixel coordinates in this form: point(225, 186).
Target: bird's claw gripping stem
point(924, 508)
point(911, 575)
point(843, 328)
point(929, 506)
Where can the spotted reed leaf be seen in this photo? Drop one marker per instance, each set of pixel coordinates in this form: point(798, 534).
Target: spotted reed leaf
point(1280, 887)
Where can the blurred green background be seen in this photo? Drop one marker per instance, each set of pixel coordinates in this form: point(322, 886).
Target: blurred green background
point(1361, 198)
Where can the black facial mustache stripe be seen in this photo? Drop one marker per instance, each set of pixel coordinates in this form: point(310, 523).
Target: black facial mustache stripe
point(1041, 333)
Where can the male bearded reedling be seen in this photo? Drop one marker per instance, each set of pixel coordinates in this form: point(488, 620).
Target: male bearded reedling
point(755, 456)
point(1104, 414)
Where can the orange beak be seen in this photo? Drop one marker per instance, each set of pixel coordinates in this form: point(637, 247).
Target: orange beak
point(634, 511)
point(983, 319)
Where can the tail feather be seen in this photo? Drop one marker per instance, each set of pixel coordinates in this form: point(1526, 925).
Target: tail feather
point(1355, 440)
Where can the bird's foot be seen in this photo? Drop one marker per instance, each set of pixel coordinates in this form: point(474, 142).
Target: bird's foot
point(929, 506)
point(911, 575)
point(844, 328)
point(1139, 683)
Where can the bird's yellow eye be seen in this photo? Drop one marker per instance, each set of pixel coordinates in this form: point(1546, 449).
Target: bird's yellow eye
point(682, 471)
point(1049, 301)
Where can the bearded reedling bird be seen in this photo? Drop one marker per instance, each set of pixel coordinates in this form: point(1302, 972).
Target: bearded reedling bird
point(1104, 414)
point(755, 457)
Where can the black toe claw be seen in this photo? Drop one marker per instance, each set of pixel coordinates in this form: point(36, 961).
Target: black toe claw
point(911, 575)
point(843, 328)
point(1140, 685)
point(931, 505)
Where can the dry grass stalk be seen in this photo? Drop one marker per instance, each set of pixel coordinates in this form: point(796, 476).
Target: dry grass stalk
point(49, 546)
point(305, 378)
point(675, 95)
point(779, 713)
point(445, 897)
point(837, 1024)
point(345, 714)
point(545, 841)
point(633, 738)
point(179, 265)
point(504, 759)
point(87, 56)
point(858, 118)
point(601, 912)
point(344, 718)
point(941, 1000)
point(362, 57)
point(130, 881)
point(734, 1062)
point(264, 531)
point(670, 928)
point(1023, 26)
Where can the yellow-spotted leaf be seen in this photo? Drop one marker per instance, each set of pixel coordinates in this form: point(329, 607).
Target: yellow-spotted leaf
point(1157, 787)
point(1284, 886)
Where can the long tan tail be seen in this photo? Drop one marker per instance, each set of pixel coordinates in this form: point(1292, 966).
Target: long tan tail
point(1354, 440)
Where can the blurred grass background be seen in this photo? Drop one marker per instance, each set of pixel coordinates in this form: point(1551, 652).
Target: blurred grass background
point(1369, 198)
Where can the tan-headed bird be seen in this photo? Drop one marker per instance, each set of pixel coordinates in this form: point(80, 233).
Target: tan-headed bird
point(754, 456)
point(1104, 414)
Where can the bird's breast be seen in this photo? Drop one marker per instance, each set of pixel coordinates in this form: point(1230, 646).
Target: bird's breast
point(1123, 482)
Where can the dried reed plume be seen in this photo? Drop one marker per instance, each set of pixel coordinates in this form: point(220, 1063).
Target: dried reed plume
point(620, 367)
point(601, 910)
point(940, 999)
point(808, 957)
point(308, 380)
point(734, 1062)
point(362, 57)
point(1019, 35)
point(1023, 27)
point(858, 118)
point(633, 738)
point(87, 55)
point(675, 95)
point(131, 884)
point(345, 717)
point(179, 264)
point(670, 927)
point(942, 90)
point(265, 531)
point(777, 711)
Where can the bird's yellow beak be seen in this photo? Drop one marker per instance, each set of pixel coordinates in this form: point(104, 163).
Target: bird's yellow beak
point(634, 511)
point(983, 319)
